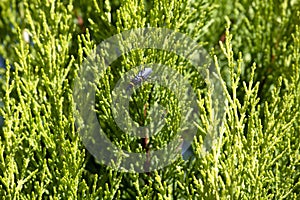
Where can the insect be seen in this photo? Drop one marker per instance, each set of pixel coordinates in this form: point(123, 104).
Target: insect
point(141, 76)
point(2, 62)
point(186, 150)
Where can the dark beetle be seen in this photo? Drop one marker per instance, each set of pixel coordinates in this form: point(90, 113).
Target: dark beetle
point(141, 76)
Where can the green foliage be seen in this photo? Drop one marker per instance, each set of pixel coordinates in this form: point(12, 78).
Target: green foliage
point(256, 50)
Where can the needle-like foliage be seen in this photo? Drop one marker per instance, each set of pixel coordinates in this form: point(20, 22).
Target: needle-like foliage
point(255, 48)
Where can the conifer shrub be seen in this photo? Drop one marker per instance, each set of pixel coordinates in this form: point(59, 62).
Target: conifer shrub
point(254, 48)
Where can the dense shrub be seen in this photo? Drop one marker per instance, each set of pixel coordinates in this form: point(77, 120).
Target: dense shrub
point(255, 46)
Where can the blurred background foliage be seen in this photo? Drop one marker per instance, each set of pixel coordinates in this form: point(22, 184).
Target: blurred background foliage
point(256, 46)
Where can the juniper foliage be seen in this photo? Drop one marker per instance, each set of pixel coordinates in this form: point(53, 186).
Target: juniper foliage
point(255, 47)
